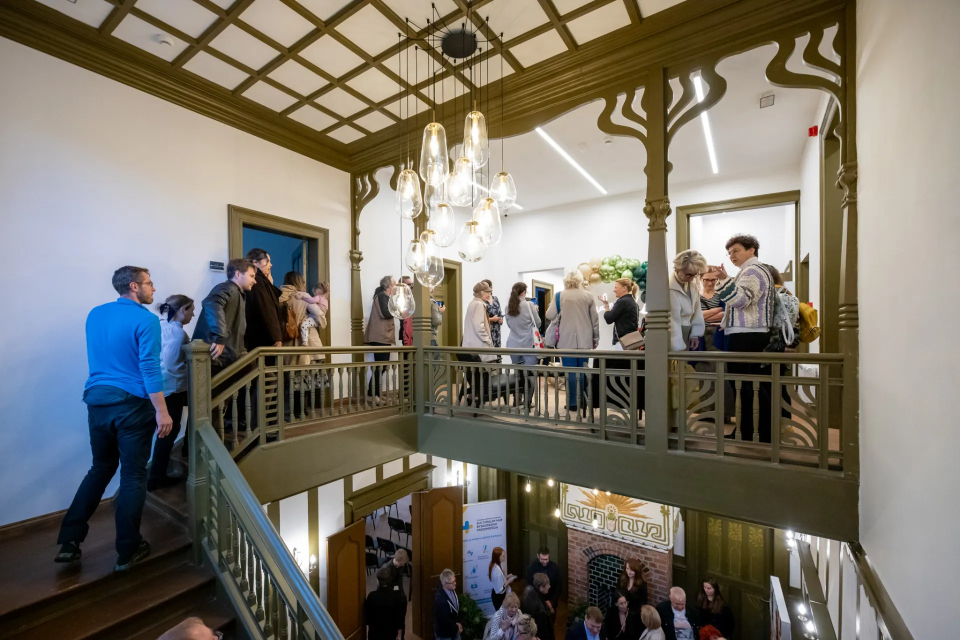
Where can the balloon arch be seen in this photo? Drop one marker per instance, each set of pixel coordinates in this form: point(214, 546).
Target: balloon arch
point(613, 268)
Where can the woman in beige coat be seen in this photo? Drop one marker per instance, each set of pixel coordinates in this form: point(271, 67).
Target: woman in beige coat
point(579, 329)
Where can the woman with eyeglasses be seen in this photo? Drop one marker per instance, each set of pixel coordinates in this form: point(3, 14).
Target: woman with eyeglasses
point(686, 317)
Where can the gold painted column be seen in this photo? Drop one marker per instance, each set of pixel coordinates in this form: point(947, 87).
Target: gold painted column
point(657, 209)
point(356, 298)
point(313, 538)
point(849, 310)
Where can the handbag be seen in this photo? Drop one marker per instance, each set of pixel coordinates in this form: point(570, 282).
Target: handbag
point(537, 339)
point(633, 341)
point(553, 331)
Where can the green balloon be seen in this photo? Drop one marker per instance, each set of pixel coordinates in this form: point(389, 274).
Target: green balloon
point(605, 261)
point(621, 265)
point(627, 274)
point(615, 258)
point(633, 263)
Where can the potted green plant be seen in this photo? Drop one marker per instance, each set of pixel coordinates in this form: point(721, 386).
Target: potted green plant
point(472, 618)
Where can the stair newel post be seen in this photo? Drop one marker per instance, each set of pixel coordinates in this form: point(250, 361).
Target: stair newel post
point(198, 500)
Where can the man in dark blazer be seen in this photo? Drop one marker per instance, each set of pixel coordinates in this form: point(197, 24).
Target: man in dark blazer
point(590, 629)
point(385, 610)
point(678, 622)
point(263, 305)
point(222, 321)
point(446, 608)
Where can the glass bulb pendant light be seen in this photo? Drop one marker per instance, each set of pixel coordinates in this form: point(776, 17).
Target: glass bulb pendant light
point(434, 161)
point(401, 304)
point(487, 216)
point(414, 257)
point(504, 191)
point(476, 144)
point(460, 184)
point(409, 198)
point(444, 224)
point(471, 246)
point(433, 196)
point(431, 274)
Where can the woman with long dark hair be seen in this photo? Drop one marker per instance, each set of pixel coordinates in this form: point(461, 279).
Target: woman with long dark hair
point(499, 579)
point(713, 609)
point(621, 623)
point(633, 585)
point(523, 319)
point(178, 310)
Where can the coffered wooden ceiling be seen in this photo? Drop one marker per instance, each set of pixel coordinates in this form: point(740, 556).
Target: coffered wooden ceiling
point(330, 69)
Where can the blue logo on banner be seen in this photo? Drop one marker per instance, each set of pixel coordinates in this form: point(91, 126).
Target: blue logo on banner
point(466, 526)
point(470, 552)
point(474, 570)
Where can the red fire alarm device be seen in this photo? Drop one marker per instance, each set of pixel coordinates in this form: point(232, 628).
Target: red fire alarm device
point(813, 131)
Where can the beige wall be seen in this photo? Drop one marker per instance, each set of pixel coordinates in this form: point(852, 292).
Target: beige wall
point(909, 149)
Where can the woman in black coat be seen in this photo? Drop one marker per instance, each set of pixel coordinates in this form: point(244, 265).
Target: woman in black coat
point(713, 609)
point(532, 604)
point(620, 623)
point(625, 314)
point(633, 585)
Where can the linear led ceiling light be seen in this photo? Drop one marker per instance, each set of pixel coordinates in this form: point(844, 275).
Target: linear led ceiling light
point(706, 125)
point(573, 163)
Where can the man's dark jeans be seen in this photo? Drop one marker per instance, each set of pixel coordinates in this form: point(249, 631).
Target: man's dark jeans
point(121, 432)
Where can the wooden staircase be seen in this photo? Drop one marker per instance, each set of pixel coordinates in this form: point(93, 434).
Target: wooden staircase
point(86, 599)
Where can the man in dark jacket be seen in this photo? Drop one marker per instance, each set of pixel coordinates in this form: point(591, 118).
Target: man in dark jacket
point(678, 622)
point(590, 629)
point(446, 608)
point(543, 564)
point(222, 320)
point(263, 305)
point(386, 608)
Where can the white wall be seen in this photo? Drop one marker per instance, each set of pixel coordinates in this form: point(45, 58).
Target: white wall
point(774, 227)
point(95, 175)
point(548, 239)
point(909, 157)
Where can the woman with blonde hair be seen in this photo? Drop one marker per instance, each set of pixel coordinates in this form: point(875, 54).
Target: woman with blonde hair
point(504, 623)
point(579, 329)
point(686, 316)
point(625, 314)
point(651, 620)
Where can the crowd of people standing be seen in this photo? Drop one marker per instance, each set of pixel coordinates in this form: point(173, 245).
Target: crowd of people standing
point(138, 381)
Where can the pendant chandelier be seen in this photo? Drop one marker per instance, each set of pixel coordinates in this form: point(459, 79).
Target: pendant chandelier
point(446, 184)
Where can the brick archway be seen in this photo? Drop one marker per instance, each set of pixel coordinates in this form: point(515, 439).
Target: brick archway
point(582, 547)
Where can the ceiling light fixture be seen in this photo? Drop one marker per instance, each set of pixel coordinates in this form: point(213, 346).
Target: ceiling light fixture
point(573, 163)
point(706, 125)
point(485, 190)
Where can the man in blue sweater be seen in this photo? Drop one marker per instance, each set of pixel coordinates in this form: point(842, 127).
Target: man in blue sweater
point(124, 398)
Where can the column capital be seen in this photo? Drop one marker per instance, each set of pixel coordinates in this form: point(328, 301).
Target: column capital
point(356, 257)
point(847, 180)
point(657, 211)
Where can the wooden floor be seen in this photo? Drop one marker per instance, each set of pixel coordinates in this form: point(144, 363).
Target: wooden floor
point(43, 599)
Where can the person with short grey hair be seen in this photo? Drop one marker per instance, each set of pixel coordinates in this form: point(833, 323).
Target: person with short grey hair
point(446, 608)
point(579, 329)
point(678, 622)
point(686, 316)
point(379, 331)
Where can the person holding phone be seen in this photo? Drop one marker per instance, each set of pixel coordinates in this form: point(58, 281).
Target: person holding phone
point(500, 580)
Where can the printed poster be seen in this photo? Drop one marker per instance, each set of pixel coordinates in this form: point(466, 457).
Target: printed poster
point(484, 528)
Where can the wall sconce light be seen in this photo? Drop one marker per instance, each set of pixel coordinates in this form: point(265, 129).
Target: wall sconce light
point(528, 488)
point(313, 562)
point(549, 482)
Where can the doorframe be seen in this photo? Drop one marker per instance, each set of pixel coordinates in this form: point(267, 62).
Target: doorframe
point(318, 270)
point(456, 293)
point(744, 204)
point(543, 285)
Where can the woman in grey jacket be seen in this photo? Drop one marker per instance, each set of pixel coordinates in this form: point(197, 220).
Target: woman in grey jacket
point(522, 319)
point(579, 329)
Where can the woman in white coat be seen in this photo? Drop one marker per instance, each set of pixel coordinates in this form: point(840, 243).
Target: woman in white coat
point(686, 316)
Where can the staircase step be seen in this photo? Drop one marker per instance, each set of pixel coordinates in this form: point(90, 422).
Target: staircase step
point(214, 614)
point(33, 588)
point(172, 503)
point(130, 611)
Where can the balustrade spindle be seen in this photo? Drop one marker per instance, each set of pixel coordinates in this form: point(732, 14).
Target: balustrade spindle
point(221, 425)
point(556, 396)
point(291, 383)
point(258, 575)
point(235, 416)
point(235, 533)
point(756, 411)
point(313, 393)
point(284, 617)
point(340, 378)
point(738, 411)
point(245, 584)
point(248, 407)
point(268, 622)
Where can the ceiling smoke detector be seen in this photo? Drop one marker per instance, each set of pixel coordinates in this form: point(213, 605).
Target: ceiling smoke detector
point(163, 38)
point(767, 100)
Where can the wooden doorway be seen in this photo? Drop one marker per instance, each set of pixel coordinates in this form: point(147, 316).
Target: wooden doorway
point(539, 526)
point(310, 254)
point(346, 580)
point(450, 294)
point(438, 545)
